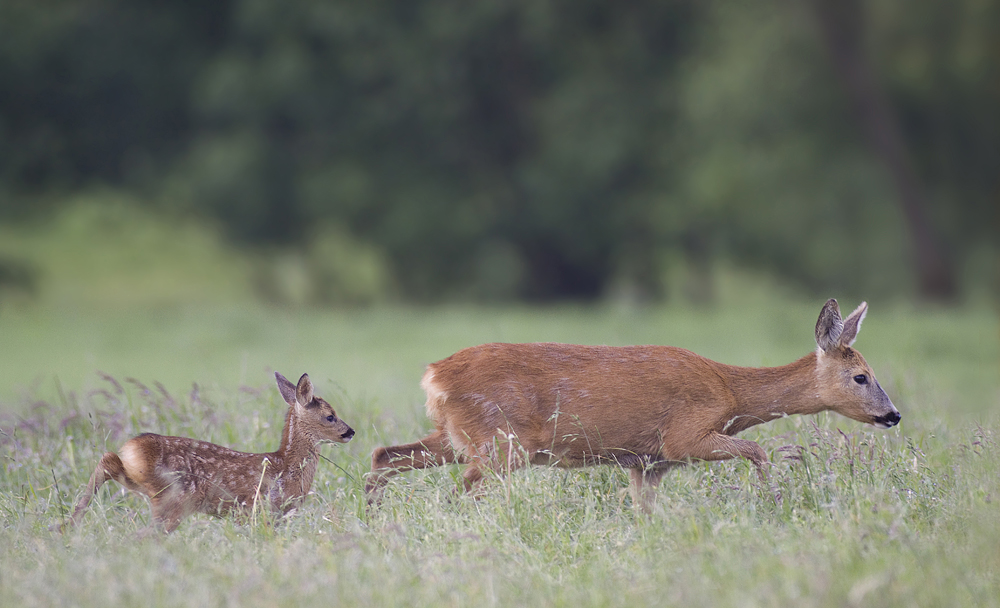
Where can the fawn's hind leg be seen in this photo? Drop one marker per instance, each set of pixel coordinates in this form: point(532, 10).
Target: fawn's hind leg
point(110, 467)
point(169, 508)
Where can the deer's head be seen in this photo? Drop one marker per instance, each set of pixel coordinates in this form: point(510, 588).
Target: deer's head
point(846, 383)
point(313, 415)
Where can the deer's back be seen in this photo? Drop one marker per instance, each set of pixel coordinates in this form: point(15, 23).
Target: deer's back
point(547, 394)
point(211, 477)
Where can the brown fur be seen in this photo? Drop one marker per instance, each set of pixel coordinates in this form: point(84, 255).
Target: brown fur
point(646, 408)
point(182, 476)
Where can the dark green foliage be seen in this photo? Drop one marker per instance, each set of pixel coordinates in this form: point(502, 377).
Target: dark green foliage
point(496, 150)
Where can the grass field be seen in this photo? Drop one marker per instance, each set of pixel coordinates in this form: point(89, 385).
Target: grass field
point(865, 517)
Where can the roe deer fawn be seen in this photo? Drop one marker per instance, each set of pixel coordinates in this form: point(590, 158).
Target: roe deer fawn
point(645, 408)
point(183, 476)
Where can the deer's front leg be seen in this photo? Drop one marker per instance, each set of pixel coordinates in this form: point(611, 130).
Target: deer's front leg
point(717, 446)
point(643, 487)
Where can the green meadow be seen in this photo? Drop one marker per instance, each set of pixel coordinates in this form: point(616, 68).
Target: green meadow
point(851, 516)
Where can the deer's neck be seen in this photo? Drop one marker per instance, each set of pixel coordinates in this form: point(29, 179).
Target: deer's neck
point(297, 458)
point(765, 393)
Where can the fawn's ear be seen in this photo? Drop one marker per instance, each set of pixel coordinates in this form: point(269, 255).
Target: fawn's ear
point(852, 324)
point(286, 388)
point(829, 326)
point(304, 391)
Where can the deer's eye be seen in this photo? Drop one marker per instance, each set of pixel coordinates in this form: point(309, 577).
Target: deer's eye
point(861, 379)
point(329, 418)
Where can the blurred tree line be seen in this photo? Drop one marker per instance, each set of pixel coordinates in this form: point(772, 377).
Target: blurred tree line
point(534, 149)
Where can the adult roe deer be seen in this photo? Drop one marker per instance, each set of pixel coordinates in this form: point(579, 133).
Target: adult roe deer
point(645, 408)
point(182, 476)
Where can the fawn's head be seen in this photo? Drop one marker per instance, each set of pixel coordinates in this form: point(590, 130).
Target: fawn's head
point(847, 384)
point(314, 415)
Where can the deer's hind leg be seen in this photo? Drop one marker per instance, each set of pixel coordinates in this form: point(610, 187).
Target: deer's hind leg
point(110, 467)
point(431, 451)
point(500, 454)
point(169, 508)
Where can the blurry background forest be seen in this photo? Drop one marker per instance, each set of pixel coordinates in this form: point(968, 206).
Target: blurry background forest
point(332, 153)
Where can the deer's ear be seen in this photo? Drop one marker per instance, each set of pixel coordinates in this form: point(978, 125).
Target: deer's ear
point(304, 391)
point(286, 388)
point(829, 326)
point(852, 324)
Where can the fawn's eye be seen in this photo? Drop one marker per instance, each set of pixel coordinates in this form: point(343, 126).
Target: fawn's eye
point(861, 379)
point(329, 418)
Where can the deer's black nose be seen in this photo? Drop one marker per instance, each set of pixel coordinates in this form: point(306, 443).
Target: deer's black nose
point(891, 419)
point(350, 433)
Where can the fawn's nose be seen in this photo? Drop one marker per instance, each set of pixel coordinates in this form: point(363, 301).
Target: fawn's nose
point(346, 436)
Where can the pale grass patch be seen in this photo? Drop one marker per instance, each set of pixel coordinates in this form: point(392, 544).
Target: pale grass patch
point(849, 516)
